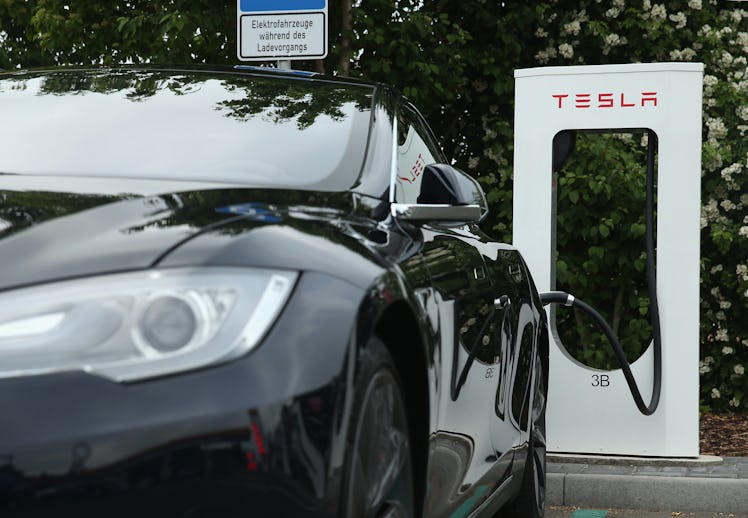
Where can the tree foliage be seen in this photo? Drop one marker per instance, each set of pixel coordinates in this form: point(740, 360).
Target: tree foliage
point(454, 59)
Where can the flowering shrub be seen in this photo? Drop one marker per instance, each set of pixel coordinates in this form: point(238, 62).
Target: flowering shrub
point(468, 100)
point(715, 33)
point(454, 59)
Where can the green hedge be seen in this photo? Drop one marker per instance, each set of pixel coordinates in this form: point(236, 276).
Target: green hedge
point(455, 58)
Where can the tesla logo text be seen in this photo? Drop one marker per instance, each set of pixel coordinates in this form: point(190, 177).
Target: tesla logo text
point(604, 100)
point(600, 380)
point(490, 372)
point(416, 170)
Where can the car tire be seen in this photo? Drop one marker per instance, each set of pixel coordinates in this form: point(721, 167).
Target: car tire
point(378, 476)
point(530, 501)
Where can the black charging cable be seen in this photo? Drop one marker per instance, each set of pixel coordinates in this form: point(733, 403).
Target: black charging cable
point(560, 297)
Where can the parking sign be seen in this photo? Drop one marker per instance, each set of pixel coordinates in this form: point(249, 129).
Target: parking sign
point(281, 29)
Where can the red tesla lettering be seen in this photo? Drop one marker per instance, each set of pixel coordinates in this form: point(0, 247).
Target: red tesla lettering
point(560, 98)
point(649, 97)
point(604, 100)
point(416, 170)
point(258, 438)
point(624, 104)
point(251, 462)
point(583, 101)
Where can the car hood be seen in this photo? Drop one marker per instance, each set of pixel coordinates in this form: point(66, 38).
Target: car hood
point(98, 226)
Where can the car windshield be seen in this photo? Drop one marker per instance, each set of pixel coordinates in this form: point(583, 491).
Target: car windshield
point(226, 128)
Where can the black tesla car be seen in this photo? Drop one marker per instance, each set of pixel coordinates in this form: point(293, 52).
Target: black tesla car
point(247, 293)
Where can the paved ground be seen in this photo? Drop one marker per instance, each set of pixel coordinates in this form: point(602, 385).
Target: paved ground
point(706, 485)
point(566, 512)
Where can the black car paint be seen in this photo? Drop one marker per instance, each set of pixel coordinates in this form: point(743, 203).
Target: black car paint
point(264, 435)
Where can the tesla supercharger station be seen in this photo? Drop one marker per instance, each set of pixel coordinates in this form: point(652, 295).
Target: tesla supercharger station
point(591, 411)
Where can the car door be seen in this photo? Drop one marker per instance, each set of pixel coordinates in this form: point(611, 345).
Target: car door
point(510, 278)
point(467, 462)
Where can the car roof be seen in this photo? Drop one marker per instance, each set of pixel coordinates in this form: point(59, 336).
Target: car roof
point(247, 70)
point(134, 85)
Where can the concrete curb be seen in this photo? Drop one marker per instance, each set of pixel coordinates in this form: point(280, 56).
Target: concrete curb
point(710, 487)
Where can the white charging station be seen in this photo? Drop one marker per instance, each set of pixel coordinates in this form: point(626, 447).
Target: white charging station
point(591, 411)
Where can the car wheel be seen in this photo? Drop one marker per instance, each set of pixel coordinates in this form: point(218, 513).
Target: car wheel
point(378, 477)
point(530, 502)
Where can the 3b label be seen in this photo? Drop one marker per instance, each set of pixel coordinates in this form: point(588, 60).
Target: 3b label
point(600, 380)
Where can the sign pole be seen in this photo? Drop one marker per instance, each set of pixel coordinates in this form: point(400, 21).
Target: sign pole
point(281, 30)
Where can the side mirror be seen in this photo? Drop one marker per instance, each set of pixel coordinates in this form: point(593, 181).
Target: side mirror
point(446, 194)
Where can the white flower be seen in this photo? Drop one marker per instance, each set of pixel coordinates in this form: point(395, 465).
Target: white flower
point(566, 50)
point(726, 59)
point(742, 41)
point(572, 28)
point(714, 162)
point(612, 40)
point(716, 127)
point(739, 369)
point(646, 5)
point(694, 4)
point(721, 336)
point(679, 19)
point(710, 80)
point(727, 205)
point(728, 172)
point(686, 54)
point(742, 112)
point(546, 55)
point(734, 402)
point(715, 393)
point(486, 340)
point(473, 162)
point(659, 11)
point(613, 12)
point(743, 231)
point(717, 268)
point(727, 350)
point(540, 33)
point(703, 369)
point(725, 304)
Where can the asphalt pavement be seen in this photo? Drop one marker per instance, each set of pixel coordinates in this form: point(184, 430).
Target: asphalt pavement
point(564, 512)
point(588, 484)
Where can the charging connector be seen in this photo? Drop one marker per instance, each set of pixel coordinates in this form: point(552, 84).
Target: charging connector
point(560, 297)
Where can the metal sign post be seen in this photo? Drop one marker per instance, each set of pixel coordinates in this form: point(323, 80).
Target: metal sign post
point(282, 30)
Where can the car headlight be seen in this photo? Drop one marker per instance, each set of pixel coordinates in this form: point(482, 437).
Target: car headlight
point(139, 325)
